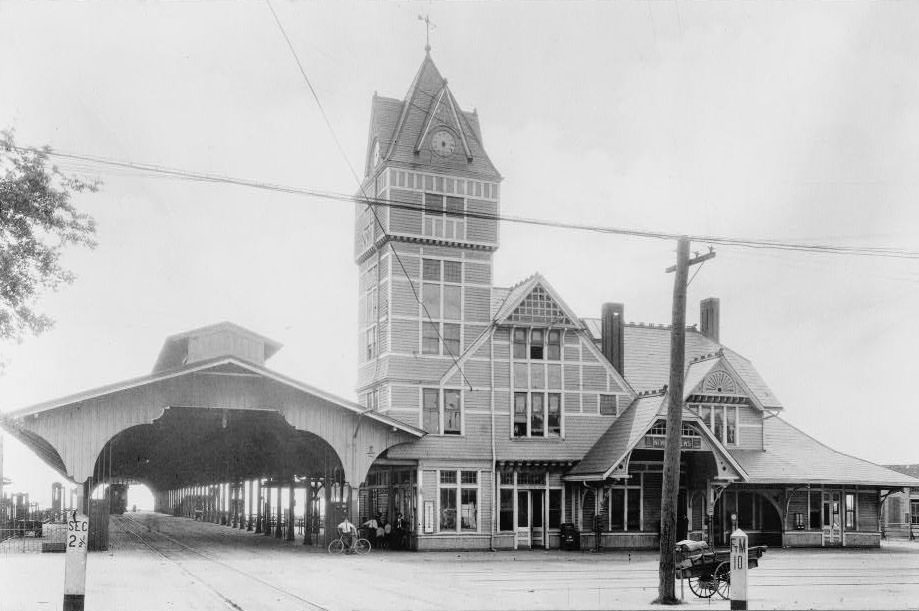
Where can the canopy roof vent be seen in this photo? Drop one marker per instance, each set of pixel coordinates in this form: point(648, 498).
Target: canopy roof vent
point(214, 341)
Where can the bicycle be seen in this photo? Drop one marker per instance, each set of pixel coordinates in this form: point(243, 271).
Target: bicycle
point(359, 545)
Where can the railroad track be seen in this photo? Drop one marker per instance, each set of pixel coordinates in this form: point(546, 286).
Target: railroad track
point(188, 559)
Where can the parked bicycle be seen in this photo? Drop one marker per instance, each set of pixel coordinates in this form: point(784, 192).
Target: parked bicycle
point(359, 545)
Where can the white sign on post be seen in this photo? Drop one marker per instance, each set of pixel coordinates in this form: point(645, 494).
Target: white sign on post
point(75, 561)
point(739, 568)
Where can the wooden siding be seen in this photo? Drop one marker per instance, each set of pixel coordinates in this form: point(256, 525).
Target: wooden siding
point(405, 337)
point(404, 302)
point(405, 221)
point(750, 437)
point(477, 273)
point(477, 304)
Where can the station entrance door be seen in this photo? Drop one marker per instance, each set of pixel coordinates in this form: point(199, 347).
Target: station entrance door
point(531, 521)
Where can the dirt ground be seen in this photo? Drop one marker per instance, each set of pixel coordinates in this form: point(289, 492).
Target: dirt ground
point(158, 562)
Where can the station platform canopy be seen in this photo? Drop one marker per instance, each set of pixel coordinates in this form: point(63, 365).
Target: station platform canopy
point(210, 411)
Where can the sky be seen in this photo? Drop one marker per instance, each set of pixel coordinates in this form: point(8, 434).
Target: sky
point(786, 121)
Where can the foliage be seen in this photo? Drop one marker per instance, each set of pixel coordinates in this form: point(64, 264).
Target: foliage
point(37, 220)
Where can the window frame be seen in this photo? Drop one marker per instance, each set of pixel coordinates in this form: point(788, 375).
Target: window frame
point(625, 488)
point(546, 398)
point(441, 395)
point(706, 412)
point(457, 486)
point(545, 349)
point(432, 309)
point(437, 221)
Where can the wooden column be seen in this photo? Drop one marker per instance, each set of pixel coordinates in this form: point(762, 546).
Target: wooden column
point(267, 528)
point(258, 506)
point(290, 512)
point(277, 529)
point(307, 510)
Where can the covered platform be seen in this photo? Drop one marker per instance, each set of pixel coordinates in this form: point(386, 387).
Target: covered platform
point(216, 436)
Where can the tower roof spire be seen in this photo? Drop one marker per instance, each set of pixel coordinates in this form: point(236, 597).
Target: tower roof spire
point(429, 25)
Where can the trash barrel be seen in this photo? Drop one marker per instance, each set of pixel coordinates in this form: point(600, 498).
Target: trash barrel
point(570, 538)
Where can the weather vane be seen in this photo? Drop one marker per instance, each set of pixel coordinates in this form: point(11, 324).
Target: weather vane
point(428, 26)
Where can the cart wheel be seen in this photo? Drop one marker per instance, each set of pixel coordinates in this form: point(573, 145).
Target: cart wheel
point(336, 547)
point(703, 586)
point(723, 580)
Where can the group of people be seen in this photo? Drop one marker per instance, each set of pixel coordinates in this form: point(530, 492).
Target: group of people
point(381, 533)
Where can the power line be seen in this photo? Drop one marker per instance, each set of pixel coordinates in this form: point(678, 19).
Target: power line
point(772, 244)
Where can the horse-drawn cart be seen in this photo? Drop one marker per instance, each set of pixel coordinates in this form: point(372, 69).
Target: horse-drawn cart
point(709, 571)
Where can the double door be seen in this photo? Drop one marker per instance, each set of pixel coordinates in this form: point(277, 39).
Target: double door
point(531, 518)
point(832, 524)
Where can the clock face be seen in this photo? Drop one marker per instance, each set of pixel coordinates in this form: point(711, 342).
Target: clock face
point(443, 143)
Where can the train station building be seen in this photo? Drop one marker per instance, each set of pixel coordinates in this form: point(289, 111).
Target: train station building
point(488, 417)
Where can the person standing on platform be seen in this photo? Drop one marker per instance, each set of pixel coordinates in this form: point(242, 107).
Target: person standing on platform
point(371, 525)
point(348, 532)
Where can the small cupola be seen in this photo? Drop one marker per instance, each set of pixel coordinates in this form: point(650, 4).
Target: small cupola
point(224, 339)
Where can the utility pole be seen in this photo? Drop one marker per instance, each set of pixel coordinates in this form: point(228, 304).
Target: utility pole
point(666, 590)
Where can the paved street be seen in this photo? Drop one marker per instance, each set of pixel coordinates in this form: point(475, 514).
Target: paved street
point(173, 563)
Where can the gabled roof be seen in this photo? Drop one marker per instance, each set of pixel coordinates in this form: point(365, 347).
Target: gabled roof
point(175, 348)
point(522, 290)
point(647, 358)
point(791, 456)
point(221, 364)
point(400, 125)
point(610, 453)
point(612, 447)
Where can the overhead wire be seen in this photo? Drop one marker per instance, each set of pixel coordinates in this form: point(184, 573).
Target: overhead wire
point(370, 205)
point(395, 203)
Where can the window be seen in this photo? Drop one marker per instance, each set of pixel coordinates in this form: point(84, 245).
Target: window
point(914, 512)
point(624, 507)
point(608, 405)
point(459, 501)
point(372, 399)
point(721, 420)
point(555, 508)
point(444, 216)
point(815, 499)
point(520, 343)
point(442, 411)
point(369, 310)
point(537, 414)
point(850, 511)
point(554, 345)
point(370, 342)
point(537, 344)
point(506, 518)
point(442, 298)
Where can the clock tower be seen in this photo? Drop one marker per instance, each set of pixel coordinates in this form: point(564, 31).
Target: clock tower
point(425, 234)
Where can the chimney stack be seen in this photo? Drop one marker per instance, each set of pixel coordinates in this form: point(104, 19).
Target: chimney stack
point(611, 334)
point(710, 317)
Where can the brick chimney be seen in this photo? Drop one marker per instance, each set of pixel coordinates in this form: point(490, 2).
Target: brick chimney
point(611, 334)
point(710, 317)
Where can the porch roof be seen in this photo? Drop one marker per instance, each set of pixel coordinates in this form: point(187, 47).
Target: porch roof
point(619, 438)
point(793, 457)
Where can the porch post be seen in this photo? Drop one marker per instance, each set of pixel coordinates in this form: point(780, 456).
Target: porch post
point(290, 511)
point(277, 529)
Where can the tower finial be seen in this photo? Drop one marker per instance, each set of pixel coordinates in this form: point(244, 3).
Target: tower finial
point(428, 24)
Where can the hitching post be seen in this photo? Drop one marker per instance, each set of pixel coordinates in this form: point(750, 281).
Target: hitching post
point(739, 570)
point(75, 562)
